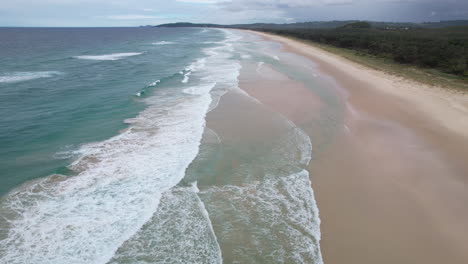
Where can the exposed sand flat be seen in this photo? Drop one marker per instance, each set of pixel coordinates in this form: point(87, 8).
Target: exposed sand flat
point(393, 185)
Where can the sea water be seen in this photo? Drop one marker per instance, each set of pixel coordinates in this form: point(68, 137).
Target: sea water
point(106, 156)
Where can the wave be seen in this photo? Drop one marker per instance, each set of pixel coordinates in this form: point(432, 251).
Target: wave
point(26, 76)
point(181, 230)
point(84, 219)
point(108, 57)
point(212, 42)
point(120, 183)
point(197, 65)
point(190, 237)
point(126, 205)
point(199, 90)
point(67, 152)
point(159, 43)
point(285, 222)
point(186, 76)
point(143, 92)
point(246, 56)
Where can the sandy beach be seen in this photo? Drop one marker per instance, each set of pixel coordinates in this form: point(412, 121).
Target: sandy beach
point(392, 182)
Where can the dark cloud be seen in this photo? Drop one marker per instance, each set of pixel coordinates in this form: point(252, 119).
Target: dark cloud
point(379, 10)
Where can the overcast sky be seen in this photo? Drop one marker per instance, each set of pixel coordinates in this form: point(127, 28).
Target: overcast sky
point(151, 12)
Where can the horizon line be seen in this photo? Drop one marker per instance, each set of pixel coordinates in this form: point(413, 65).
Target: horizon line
point(319, 21)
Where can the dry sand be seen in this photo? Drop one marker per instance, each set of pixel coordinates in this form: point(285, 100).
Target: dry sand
point(393, 185)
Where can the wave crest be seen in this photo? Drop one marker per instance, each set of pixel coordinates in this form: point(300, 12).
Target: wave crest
point(26, 76)
point(108, 57)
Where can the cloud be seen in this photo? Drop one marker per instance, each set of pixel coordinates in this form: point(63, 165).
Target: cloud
point(338, 2)
point(131, 17)
point(241, 5)
point(199, 1)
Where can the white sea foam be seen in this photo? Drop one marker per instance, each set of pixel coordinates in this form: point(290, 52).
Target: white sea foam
point(246, 56)
point(141, 93)
point(160, 43)
point(186, 76)
point(297, 137)
point(285, 222)
point(155, 83)
point(231, 36)
point(195, 187)
point(228, 72)
point(179, 232)
point(108, 57)
point(199, 90)
point(85, 218)
point(26, 76)
point(88, 217)
point(212, 42)
point(197, 65)
point(284, 227)
point(123, 205)
point(67, 152)
point(216, 94)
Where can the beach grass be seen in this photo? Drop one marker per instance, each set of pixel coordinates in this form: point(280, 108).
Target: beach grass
point(427, 76)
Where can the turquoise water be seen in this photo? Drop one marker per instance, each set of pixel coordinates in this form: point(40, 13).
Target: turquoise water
point(136, 145)
point(51, 102)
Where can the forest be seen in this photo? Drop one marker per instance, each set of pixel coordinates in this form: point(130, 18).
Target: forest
point(445, 49)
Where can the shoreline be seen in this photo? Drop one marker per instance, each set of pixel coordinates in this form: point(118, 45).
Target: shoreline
point(426, 76)
point(392, 185)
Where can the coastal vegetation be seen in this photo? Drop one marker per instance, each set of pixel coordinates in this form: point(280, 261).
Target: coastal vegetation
point(444, 49)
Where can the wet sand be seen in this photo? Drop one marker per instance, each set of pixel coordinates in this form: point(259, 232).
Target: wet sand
point(392, 186)
point(253, 211)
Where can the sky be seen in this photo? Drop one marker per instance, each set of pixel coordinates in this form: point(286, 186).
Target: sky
point(93, 13)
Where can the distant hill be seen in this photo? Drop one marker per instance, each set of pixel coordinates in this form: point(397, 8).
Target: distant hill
point(358, 25)
point(188, 24)
point(302, 25)
point(324, 24)
point(328, 24)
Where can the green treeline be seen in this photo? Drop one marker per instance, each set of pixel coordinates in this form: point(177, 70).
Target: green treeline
point(445, 49)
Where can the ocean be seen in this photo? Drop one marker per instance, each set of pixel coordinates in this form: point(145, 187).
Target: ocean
point(136, 145)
